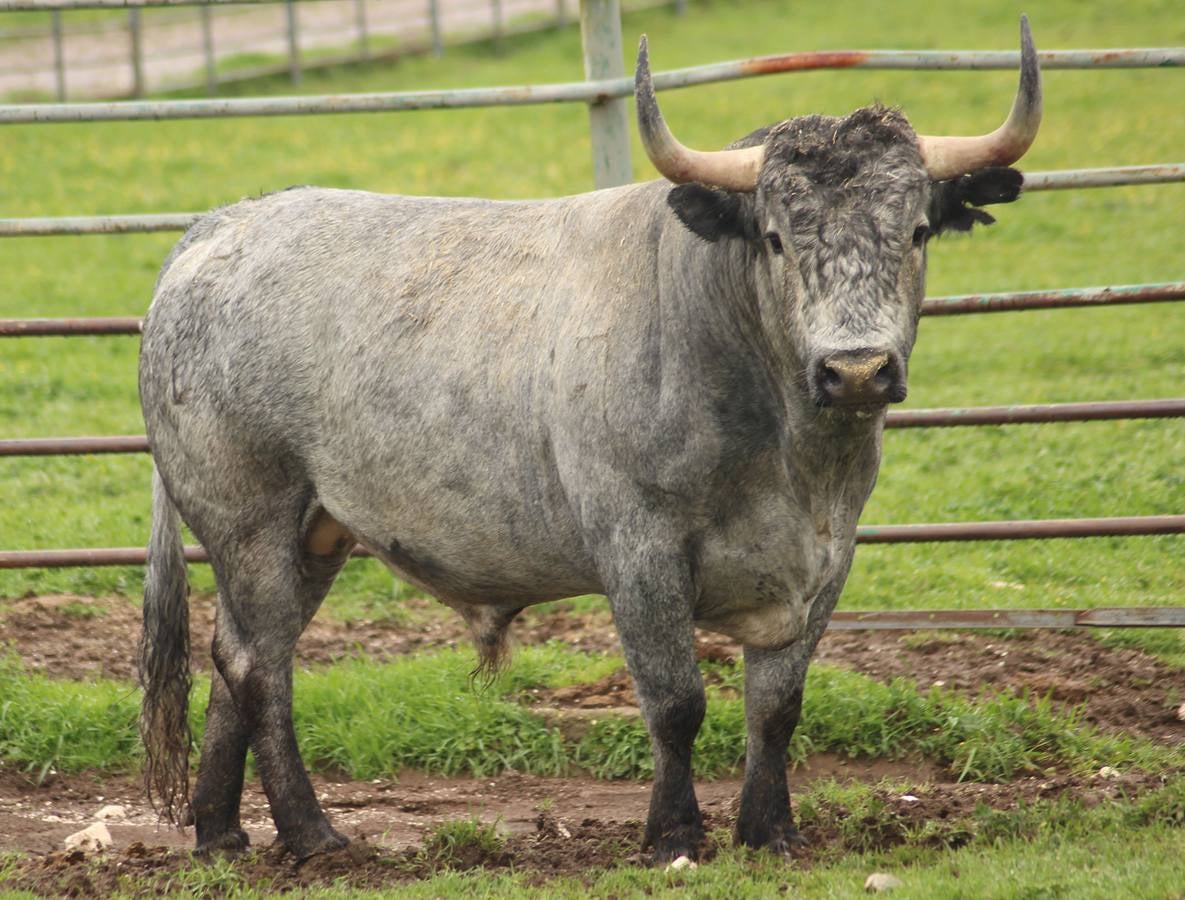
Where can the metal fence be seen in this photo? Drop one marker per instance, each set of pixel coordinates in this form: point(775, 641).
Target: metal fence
point(208, 43)
point(604, 91)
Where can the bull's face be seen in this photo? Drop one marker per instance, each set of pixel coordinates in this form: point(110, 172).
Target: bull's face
point(836, 214)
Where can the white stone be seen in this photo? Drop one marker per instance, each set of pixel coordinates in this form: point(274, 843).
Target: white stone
point(91, 839)
point(683, 862)
point(111, 811)
point(1181, 712)
point(909, 798)
point(1108, 772)
point(879, 882)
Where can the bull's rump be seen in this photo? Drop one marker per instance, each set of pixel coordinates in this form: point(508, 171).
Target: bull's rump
point(391, 359)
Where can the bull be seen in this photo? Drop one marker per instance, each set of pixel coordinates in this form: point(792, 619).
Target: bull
point(671, 394)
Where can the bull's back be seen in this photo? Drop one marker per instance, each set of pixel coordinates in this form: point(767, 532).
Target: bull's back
point(395, 354)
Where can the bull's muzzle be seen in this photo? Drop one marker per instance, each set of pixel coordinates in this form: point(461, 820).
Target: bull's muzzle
point(858, 378)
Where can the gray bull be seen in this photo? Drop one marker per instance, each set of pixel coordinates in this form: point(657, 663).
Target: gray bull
point(670, 395)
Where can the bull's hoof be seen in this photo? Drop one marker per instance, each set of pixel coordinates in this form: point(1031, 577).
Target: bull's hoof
point(324, 840)
point(229, 842)
point(783, 839)
point(685, 840)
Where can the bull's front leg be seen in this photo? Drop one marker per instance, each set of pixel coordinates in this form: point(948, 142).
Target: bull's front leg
point(652, 594)
point(774, 681)
point(773, 701)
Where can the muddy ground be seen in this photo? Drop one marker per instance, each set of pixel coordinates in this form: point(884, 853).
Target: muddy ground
point(551, 825)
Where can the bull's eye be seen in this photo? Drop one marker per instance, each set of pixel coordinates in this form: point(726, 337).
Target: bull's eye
point(775, 242)
point(920, 234)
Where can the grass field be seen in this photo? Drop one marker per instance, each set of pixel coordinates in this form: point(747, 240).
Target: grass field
point(88, 386)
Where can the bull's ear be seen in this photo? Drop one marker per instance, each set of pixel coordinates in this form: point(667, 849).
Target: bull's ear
point(709, 213)
point(954, 204)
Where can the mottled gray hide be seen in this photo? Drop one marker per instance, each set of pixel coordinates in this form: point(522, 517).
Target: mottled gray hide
point(513, 402)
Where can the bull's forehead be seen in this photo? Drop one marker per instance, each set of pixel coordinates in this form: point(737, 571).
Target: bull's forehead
point(849, 189)
point(868, 160)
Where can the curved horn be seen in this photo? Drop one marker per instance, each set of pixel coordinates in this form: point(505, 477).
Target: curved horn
point(734, 170)
point(948, 157)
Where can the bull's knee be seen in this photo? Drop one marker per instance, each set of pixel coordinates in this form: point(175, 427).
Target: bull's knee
point(675, 719)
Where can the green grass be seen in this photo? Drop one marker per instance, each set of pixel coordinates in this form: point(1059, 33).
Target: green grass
point(87, 386)
point(993, 738)
point(366, 720)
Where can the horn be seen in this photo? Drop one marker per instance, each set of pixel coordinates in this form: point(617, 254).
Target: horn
point(734, 170)
point(949, 157)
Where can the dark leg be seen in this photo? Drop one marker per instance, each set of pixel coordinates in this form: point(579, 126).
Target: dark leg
point(220, 777)
point(773, 701)
point(268, 594)
point(652, 607)
point(774, 681)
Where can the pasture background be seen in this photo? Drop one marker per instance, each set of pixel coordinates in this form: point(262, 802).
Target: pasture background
point(83, 386)
point(88, 385)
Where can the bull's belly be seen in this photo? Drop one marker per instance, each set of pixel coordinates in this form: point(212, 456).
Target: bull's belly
point(498, 561)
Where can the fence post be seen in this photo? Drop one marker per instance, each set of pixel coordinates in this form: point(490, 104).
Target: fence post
point(363, 30)
point(680, 7)
point(561, 13)
point(294, 72)
point(499, 28)
point(434, 18)
point(600, 33)
point(137, 52)
point(59, 55)
point(208, 50)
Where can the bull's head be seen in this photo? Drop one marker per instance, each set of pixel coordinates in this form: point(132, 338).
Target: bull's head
point(837, 213)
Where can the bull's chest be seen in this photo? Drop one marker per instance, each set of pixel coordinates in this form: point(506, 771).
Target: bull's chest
point(760, 573)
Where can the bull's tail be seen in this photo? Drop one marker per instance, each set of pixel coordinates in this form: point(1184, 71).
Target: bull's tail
point(164, 662)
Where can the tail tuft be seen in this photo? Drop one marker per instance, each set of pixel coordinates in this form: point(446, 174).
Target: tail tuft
point(164, 663)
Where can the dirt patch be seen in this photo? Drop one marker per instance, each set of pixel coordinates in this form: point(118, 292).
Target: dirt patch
point(549, 826)
point(76, 637)
point(1120, 690)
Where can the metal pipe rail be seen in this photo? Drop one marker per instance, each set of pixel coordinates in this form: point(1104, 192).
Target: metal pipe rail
point(142, 223)
point(1064, 298)
point(964, 304)
point(915, 418)
point(595, 92)
point(866, 534)
point(101, 325)
point(1104, 617)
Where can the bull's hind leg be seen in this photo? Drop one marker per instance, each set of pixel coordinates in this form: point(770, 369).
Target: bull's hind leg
point(219, 788)
point(269, 588)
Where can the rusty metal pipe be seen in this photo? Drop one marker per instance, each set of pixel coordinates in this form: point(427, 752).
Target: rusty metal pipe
point(74, 446)
point(915, 418)
point(1104, 617)
point(568, 92)
point(1035, 413)
point(66, 327)
point(1066, 298)
point(1030, 529)
point(868, 534)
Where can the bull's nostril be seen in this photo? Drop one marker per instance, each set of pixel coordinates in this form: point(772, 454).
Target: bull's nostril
point(884, 375)
point(831, 378)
